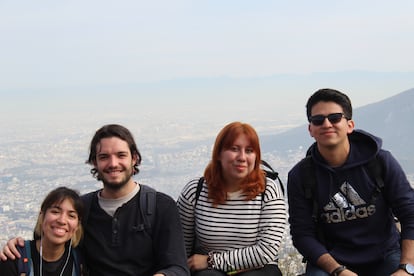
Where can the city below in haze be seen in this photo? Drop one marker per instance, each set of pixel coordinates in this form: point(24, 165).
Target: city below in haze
point(36, 158)
point(176, 72)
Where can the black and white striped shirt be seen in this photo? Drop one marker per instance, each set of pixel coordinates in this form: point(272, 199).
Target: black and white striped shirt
point(242, 234)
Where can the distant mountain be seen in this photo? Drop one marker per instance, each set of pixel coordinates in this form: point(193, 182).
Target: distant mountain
point(391, 119)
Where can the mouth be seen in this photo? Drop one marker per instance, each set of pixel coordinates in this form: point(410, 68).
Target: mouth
point(328, 132)
point(59, 231)
point(240, 168)
point(113, 172)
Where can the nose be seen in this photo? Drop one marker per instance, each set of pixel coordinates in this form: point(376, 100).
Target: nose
point(242, 155)
point(113, 161)
point(62, 218)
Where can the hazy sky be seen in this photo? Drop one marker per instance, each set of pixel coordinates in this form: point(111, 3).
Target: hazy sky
point(160, 55)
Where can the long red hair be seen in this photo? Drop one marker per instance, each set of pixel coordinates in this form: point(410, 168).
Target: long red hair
point(254, 183)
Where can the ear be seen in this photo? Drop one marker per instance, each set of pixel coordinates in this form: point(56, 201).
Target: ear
point(351, 126)
point(309, 129)
point(134, 159)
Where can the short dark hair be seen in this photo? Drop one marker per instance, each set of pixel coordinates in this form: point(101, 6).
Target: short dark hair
point(330, 95)
point(108, 131)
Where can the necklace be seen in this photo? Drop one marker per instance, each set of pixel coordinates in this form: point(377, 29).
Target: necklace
point(41, 258)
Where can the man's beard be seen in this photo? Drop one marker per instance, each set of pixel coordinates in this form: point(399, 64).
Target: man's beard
point(116, 186)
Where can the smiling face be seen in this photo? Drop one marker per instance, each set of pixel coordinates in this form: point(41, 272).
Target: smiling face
point(330, 135)
point(60, 221)
point(237, 161)
point(114, 163)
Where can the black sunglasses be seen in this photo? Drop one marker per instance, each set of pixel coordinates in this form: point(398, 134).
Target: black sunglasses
point(334, 118)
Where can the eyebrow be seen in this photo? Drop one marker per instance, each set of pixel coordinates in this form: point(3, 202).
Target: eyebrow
point(58, 207)
point(118, 152)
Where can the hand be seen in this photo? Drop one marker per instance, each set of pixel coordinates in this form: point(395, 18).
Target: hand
point(159, 274)
point(10, 249)
point(197, 262)
point(400, 272)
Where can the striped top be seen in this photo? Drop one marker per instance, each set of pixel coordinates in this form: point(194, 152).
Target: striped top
point(242, 234)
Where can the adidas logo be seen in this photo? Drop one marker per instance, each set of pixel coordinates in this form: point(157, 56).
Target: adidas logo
point(346, 205)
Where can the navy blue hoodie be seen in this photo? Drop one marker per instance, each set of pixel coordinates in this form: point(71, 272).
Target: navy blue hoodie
point(357, 230)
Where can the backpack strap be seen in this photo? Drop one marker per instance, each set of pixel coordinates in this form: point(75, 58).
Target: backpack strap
point(375, 168)
point(24, 264)
point(309, 183)
point(77, 262)
point(147, 202)
point(198, 190)
point(76, 268)
point(272, 174)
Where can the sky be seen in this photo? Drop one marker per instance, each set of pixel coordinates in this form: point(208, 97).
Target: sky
point(230, 59)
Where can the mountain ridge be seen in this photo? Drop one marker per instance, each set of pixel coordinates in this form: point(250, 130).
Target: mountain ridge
point(390, 119)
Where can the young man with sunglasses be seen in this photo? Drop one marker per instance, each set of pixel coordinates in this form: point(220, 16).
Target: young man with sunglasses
point(351, 232)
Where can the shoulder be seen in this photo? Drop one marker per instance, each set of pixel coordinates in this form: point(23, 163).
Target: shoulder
point(88, 196)
point(385, 156)
point(146, 191)
point(150, 198)
point(300, 169)
point(164, 198)
point(305, 161)
point(160, 200)
point(190, 189)
point(273, 190)
point(390, 167)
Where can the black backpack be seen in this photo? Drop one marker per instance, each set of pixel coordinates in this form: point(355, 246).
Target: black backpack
point(25, 263)
point(147, 202)
point(269, 171)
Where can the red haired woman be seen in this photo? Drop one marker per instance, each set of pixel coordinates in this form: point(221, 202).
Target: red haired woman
point(237, 223)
